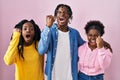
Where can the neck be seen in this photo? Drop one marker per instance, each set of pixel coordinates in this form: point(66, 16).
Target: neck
point(63, 28)
point(92, 47)
point(28, 43)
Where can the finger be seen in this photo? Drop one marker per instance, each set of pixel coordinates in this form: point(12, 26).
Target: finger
point(54, 18)
point(98, 37)
point(51, 18)
point(16, 30)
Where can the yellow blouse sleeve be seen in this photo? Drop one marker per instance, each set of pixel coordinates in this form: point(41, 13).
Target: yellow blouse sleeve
point(12, 51)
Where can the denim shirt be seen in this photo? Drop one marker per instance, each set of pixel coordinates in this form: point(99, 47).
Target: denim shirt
point(48, 44)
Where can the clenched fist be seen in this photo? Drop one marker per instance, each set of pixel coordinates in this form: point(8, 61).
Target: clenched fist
point(100, 42)
point(49, 20)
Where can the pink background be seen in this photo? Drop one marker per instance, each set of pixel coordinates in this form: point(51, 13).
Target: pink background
point(107, 11)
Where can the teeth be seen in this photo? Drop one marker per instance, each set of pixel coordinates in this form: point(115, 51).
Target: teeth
point(62, 18)
point(92, 40)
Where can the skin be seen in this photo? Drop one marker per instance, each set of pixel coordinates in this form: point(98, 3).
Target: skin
point(28, 33)
point(62, 18)
point(94, 39)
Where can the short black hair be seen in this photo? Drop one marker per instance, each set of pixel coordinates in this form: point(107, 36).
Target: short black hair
point(69, 10)
point(95, 24)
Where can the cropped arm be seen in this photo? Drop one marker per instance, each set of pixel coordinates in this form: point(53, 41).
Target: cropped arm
point(9, 57)
point(104, 57)
point(44, 41)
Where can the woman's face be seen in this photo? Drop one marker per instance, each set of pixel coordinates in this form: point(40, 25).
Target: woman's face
point(28, 33)
point(62, 16)
point(92, 36)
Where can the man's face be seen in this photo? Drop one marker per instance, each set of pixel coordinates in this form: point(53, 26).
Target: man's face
point(62, 16)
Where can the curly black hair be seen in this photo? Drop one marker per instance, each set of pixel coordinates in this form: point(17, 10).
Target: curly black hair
point(69, 10)
point(21, 40)
point(95, 24)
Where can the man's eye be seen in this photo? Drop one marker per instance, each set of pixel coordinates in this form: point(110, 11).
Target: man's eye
point(89, 35)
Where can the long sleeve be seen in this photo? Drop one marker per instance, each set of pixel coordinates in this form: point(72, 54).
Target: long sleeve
point(93, 62)
point(104, 58)
point(44, 41)
point(9, 57)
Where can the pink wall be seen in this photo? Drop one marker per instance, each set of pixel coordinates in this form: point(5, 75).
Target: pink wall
point(107, 11)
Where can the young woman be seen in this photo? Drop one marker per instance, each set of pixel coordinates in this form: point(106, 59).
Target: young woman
point(94, 58)
point(23, 52)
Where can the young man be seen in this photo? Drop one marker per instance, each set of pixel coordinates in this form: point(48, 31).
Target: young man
point(61, 43)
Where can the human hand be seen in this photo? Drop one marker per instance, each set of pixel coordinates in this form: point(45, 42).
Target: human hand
point(49, 20)
point(16, 30)
point(99, 42)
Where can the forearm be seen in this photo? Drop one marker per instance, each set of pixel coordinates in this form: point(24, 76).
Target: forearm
point(104, 57)
point(44, 41)
point(11, 52)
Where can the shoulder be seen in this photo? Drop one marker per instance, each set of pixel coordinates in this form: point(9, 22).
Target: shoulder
point(54, 26)
point(73, 30)
point(84, 45)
